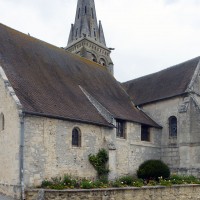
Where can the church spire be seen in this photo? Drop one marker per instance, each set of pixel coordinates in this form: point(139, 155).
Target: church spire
point(87, 28)
point(86, 22)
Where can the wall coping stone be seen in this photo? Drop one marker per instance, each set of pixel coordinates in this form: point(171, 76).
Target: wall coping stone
point(113, 188)
point(181, 192)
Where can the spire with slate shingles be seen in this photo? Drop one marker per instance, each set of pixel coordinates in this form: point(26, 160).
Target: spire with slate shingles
point(86, 23)
point(87, 34)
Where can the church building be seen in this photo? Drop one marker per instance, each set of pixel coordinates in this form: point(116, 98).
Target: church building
point(58, 105)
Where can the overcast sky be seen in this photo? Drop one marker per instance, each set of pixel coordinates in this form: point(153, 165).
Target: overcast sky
point(148, 35)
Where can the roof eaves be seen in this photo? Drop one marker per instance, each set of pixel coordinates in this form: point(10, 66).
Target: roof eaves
point(134, 121)
point(161, 99)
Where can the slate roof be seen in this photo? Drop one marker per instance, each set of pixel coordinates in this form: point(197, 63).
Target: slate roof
point(46, 80)
point(164, 84)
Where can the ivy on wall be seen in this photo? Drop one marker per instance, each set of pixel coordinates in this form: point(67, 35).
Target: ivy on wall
point(99, 162)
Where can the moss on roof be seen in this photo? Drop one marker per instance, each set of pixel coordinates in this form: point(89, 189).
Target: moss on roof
point(46, 80)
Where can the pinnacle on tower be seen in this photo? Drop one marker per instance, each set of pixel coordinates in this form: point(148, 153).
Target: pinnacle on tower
point(86, 23)
point(87, 36)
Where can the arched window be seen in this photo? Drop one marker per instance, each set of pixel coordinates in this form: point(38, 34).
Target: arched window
point(172, 127)
point(102, 62)
point(2, 122)
point(94, 58)
point(76, 137)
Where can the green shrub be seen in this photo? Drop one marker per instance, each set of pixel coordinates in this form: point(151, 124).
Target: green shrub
point(117, 183)
point(127, 180)
point(46, 184)
point(165, 182)
point(98, 184)
point(68, 181)
point(182, 179)
point(99, 163)
point(138, 183)
point(177, 179)
point(152, 183)
point(56, 181)
point(152, 169)
point(87, 184)
point(57, 187)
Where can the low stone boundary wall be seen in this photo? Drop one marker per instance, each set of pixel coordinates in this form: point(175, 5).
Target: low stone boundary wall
point(178, 192)
point(10, 190)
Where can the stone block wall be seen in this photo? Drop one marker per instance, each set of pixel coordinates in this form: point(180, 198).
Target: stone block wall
point(140, 151)
point(181, 153)
point(49, 153)
point(182, 192)
point(161, 112)
point(9, 139)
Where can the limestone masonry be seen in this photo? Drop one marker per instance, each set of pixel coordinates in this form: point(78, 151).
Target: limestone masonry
point(183, 192)
point(58, 105)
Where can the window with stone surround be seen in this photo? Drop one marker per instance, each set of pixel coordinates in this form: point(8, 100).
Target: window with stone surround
point(2, 122)
point(172, 127)
point(76, 137)
point(102, 62)
point(94, 58)
point(145, 133)
point(120, 129)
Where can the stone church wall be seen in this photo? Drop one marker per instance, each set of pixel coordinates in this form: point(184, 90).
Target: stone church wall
point(9, 140)
point(161, 112)
point(181, 153)
point(49, 153)
point(191, 148)
point(131, 152)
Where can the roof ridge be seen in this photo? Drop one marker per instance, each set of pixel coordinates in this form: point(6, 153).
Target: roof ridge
point(166, 69)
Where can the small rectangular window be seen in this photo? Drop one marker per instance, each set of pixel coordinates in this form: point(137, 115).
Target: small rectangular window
point(120, 128)
point(145, 133)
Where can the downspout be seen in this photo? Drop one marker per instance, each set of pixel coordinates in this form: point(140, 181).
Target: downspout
point(21, 156)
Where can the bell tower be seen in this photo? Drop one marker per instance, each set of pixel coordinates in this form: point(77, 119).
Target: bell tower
point(86, 36)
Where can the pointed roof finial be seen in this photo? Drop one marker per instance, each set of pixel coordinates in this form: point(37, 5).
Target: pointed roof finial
point(101, 34)
point(86, 23)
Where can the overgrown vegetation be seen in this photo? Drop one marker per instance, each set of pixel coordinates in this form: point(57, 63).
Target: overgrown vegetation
point(152, 170)
point(67, 182)
point(150, 173)
point(99, 162)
